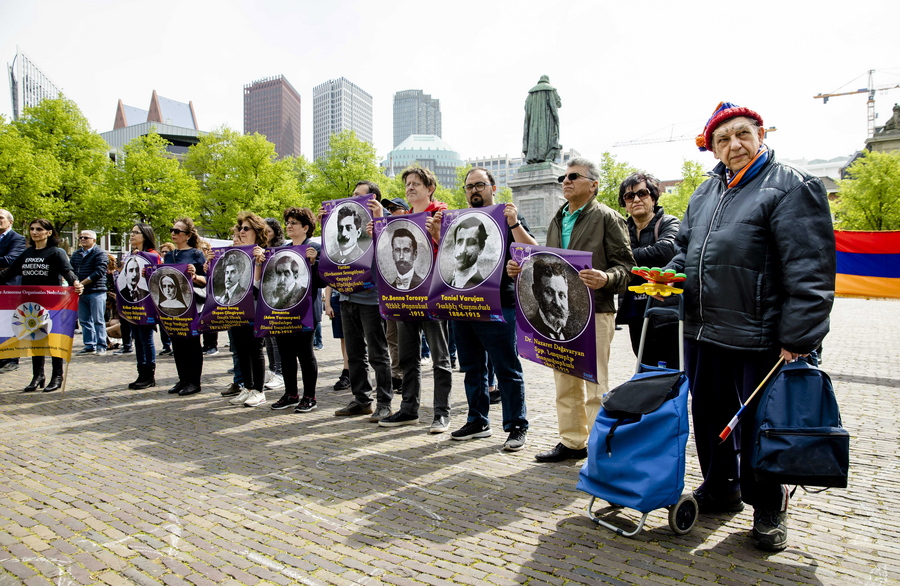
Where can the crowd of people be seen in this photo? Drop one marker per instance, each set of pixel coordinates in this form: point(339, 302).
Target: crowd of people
point(756, 244)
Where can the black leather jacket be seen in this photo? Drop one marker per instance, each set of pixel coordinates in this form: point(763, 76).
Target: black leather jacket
point(759, 259)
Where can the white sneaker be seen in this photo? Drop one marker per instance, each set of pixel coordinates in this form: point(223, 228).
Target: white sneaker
point(268, 376)
point(275, 383)
point(255, 399)
point(245, 394)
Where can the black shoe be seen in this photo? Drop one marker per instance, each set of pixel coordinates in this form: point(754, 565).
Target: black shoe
point(306, 405)
point(165, 351)
point(707, 504)
point(189, 389)
point(769, 530)
point(516, 439)
point(495, 397)
point(472, 430)
point(354, 408)
point(343, 382)
point(399, 418)
point(286, 402)
point(177, 388)
point(560, 453)
point(124, 350)
point(56, 380)
point(36, 383)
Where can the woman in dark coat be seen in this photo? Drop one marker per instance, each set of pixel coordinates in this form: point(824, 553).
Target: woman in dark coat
point(43, 264)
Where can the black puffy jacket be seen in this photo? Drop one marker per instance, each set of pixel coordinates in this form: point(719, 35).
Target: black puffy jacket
point(759, 259)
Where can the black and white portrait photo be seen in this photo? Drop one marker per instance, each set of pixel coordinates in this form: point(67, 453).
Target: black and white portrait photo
point(285, 280)
point(553, 298)
point(470, 250)
point(171, 291)
point(404, 255)
point(231, 277)
point(345, 233)
point(131, 282)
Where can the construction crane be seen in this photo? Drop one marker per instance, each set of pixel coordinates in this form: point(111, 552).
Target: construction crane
point(870, 103)
point(671, 138)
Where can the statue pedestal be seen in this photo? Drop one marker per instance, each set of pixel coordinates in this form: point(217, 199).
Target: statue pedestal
point(884, 142)
point(538, 195)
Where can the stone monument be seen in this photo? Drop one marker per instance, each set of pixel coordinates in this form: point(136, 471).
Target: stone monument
point(536, 191)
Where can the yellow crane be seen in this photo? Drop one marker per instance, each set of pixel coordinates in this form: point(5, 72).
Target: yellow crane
point(870, 103)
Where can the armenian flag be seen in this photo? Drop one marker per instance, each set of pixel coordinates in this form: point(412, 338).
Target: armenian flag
point(37, 321)
point(868, 263)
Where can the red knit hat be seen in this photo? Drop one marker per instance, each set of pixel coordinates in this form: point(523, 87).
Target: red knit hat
point(724, 111)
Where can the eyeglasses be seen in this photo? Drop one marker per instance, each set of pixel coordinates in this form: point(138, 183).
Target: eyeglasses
point(136, 232)
point(572, 177)
point(177, 231)
point(292, 224)
point(476, 186)
point(641, 194)
point(242, 228)
point(84, 238)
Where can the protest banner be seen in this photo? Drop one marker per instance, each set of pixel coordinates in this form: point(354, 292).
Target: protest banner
point(347, 251)
point(404, 256)
point(284, 303)
point(174, 299)
point(37, 321)
point(133, 301)
point(229, 289)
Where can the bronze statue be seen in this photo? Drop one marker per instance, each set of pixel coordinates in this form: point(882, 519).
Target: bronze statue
point(541, 139)
point(893, 124)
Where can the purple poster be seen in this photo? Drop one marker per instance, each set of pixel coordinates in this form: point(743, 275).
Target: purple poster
point(284, 304)
point(133, 301)
point(466, 284)
point(555, 310)
point(405, 260)
point(347, 251)
point(174, 299)
point(229, 289)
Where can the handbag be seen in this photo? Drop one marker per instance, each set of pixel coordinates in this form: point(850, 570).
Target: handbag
point(800, 439)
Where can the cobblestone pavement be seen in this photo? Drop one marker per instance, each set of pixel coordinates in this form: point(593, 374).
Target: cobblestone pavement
point(102, 485)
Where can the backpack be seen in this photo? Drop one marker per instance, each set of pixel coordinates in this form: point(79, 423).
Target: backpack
point(800, 439)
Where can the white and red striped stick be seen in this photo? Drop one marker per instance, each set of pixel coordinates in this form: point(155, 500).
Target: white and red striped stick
point(734, 420)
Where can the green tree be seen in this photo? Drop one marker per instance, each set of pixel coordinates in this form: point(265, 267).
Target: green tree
point(25, 175)
point(58, 131)
point(240, 172)
point(149, 185)
point(692, 175)
point(870, 198)
point(612, 173)
point(335, 175)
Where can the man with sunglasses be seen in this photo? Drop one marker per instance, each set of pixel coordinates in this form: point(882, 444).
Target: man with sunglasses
point(89, 263)
point(476, 341)
point(757, 246)
point(583, 223)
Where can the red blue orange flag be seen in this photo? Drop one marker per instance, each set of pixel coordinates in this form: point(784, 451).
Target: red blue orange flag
point(37, 321)
point(868, 263)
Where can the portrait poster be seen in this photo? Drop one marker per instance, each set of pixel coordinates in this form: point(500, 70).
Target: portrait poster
point(347, 250)
point(555, 310)
point(37, 321)
point(174, 299)
point(404, 259)
point(133, 301)
point(229, 289)
point(285, 303)
point(466, 283)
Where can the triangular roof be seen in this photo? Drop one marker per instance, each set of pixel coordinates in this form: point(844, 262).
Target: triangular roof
point(162, 110)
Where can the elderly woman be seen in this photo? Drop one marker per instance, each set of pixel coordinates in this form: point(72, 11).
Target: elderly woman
point(47, 263)
point(251, 230)
point(652, 233)
point(187, 349)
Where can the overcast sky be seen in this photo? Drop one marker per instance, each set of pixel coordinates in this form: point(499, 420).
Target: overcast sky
point(624, 70)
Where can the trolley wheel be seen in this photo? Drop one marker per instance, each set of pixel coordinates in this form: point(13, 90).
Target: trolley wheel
point(683, 514)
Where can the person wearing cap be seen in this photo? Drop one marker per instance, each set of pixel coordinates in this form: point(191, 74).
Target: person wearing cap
point(396, 206)
point(757, 246)
point(583, 223)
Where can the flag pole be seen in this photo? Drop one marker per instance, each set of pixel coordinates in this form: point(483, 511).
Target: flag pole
point(734, 420)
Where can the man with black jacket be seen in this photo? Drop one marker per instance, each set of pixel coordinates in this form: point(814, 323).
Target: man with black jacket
point(89, 263)
point(757, 246)
point(12, 244)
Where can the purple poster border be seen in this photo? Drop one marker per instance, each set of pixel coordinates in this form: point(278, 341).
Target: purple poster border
point(397, 303)
point(347, 271)
point(570, 346)
point(138, 307)
point(226, 307)
point(275, 313)
point(177, 314)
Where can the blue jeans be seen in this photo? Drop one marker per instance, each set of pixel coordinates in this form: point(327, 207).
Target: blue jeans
point(475, 342)
point(144, 346)
point(91, 308)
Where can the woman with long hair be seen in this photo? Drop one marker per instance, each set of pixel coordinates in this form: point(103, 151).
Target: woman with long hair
point(45, 263)
point(298, 346)
point(187, 349)
point(164, 249)
point(251, 230)
point(143, 240)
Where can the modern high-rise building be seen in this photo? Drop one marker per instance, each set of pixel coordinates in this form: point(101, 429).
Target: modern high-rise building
point(272, 108)
point(415, 112)
point(339, 104)
point(28, 85)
